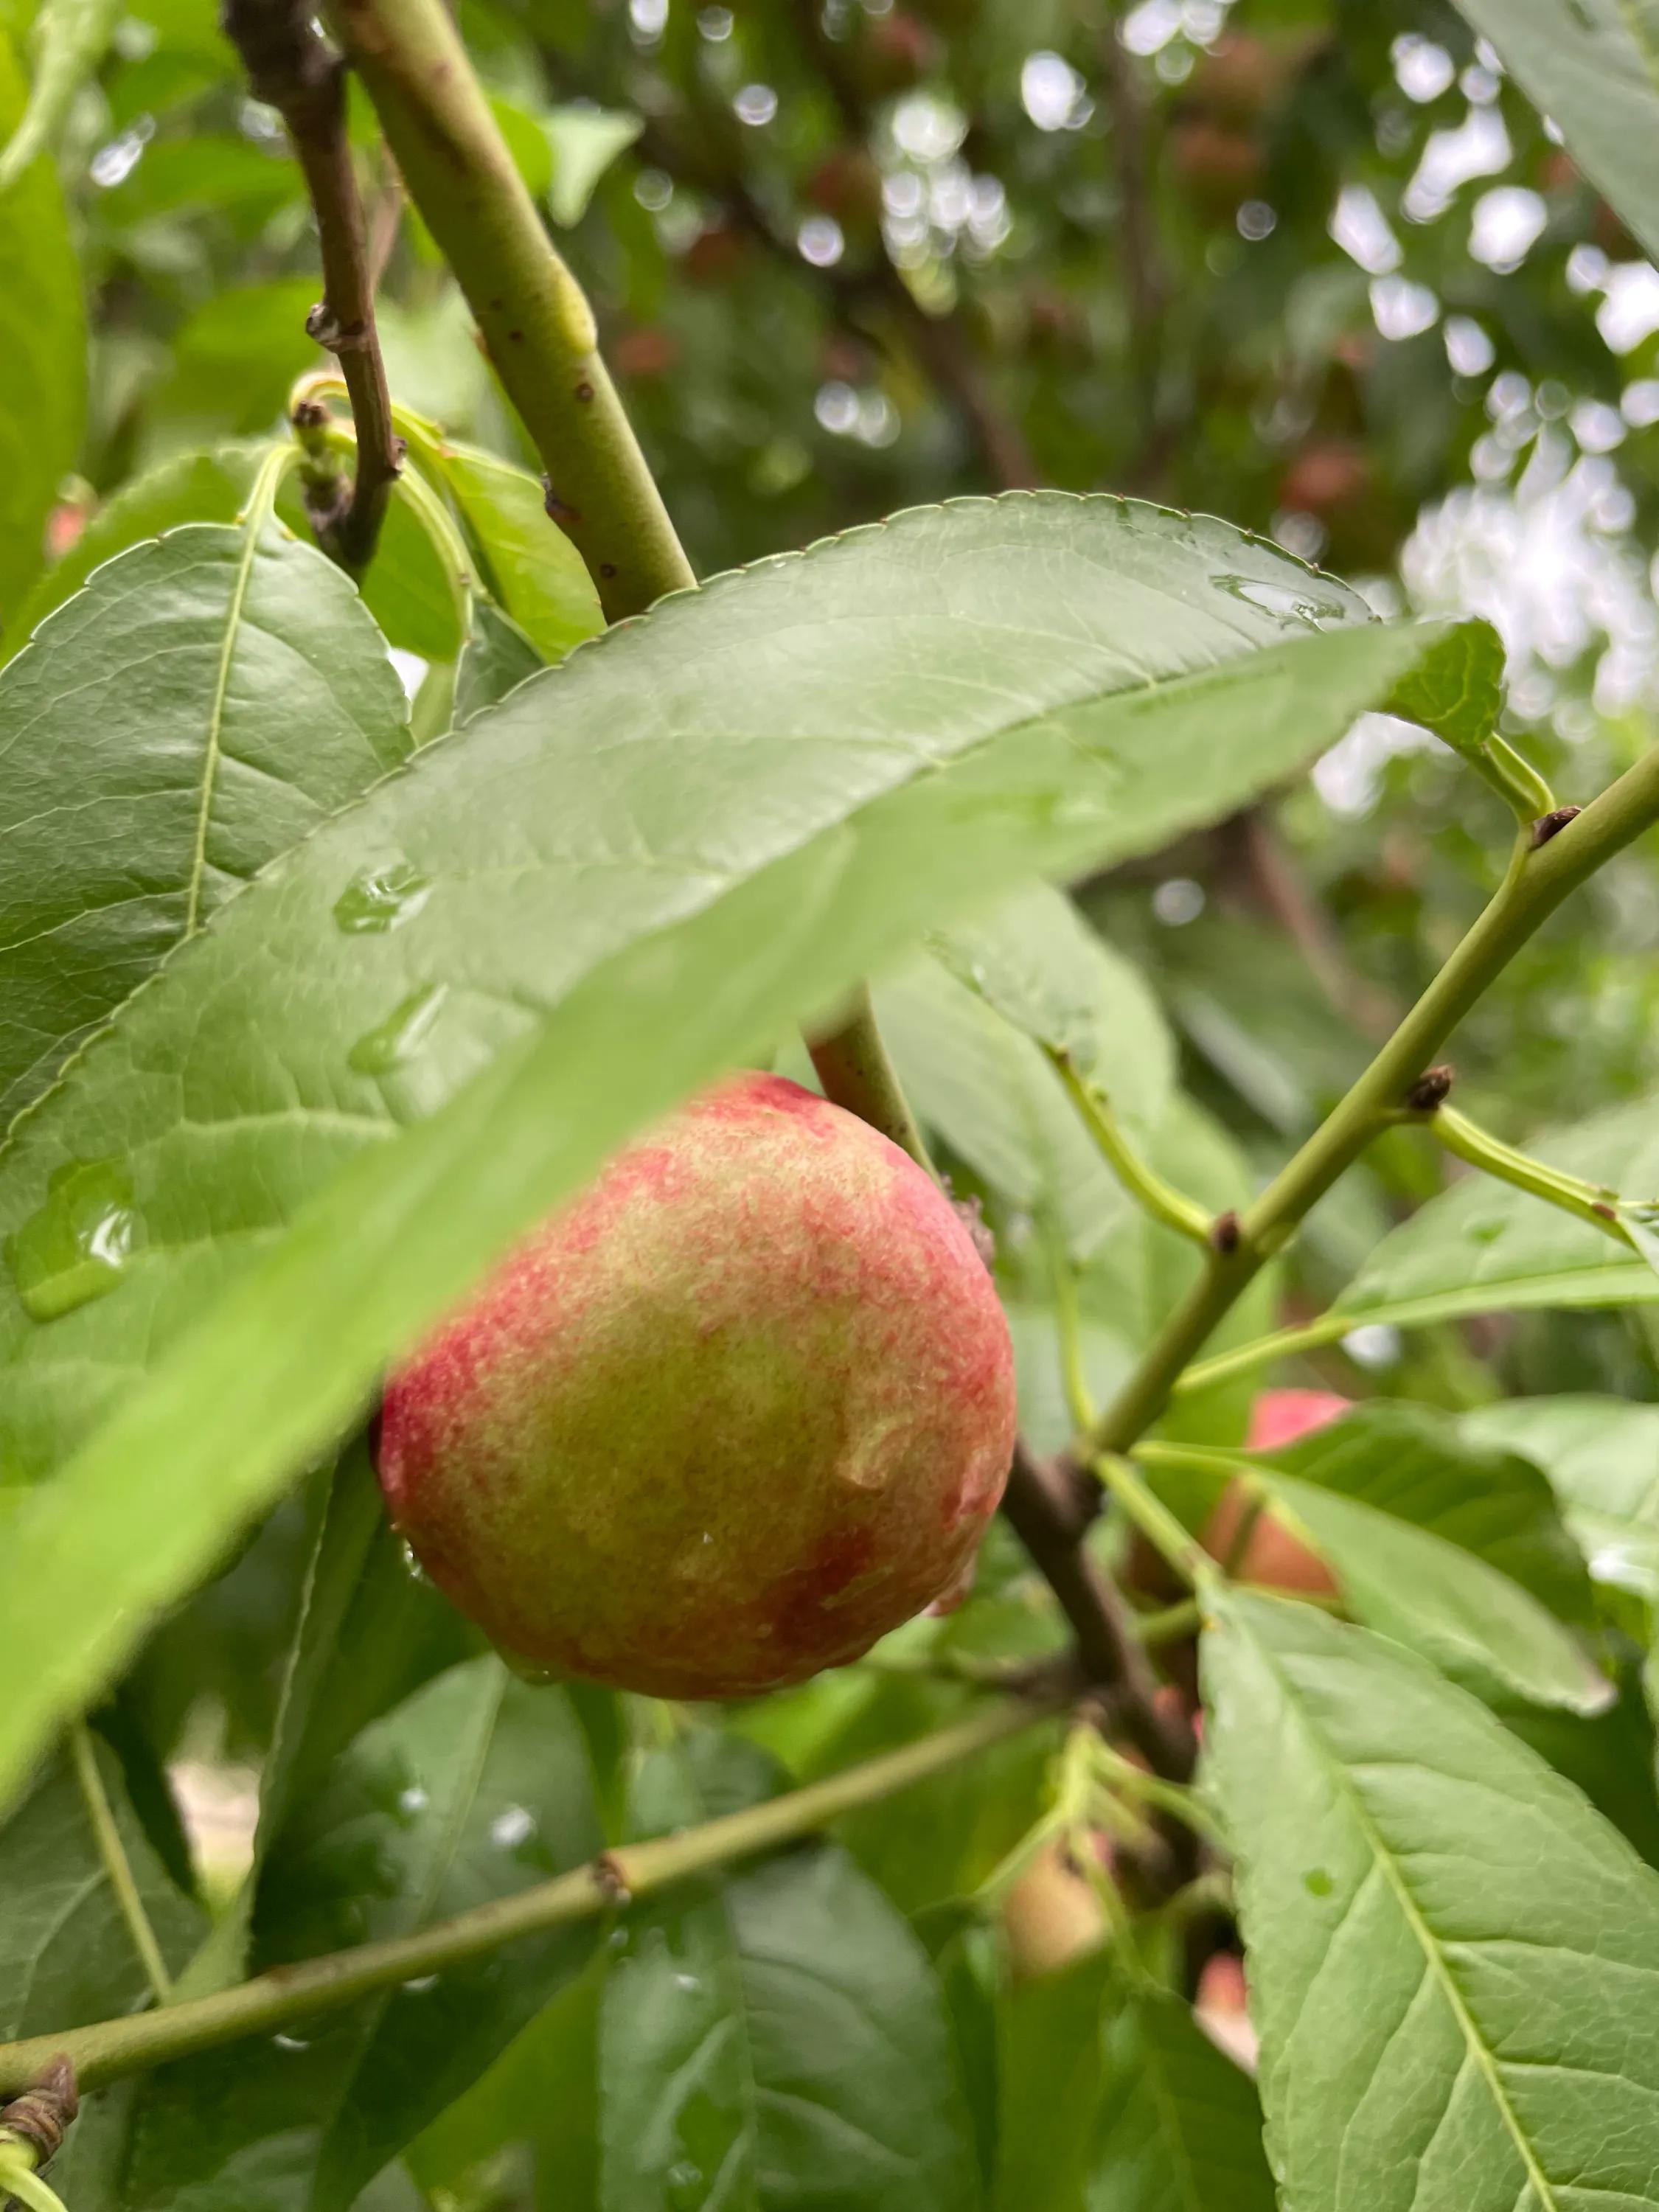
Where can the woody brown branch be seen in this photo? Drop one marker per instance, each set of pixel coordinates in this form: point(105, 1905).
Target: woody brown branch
point(293, 68)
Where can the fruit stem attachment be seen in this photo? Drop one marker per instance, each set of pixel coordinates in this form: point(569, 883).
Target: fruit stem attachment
point(110, 2048)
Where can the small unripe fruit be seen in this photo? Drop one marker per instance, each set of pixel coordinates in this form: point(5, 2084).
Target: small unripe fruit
point(740, 1408)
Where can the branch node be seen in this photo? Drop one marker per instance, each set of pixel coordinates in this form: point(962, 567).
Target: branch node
point(1226, 1233)
point(1430, 1091)
point(1551, 825)
point(41, 2116)
point(607, 1874)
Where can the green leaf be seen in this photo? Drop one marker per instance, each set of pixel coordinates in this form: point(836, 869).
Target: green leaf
point(65, 1955)
point(585, 140)
point(636, 871)
point(235, 357)
point(365, 1636)
point(1051, 2058)
point(1416, 1464)
point(1446, 1603)
point(212, 696)
point(1457, 691)
point(1037, 962)
point(209, 487)
point(1592, 66)
point(1180, 2126)
point(1601, 1454)
point(528, 565)
point(1454, 1961)
point(495, 659)
point(1127, 1287)
point(986, 1090)
point(1484, 1246)
point(69, 40)
point(474, 1789)
point(1455, 1550)
point(543, 2093)
point(42, 356)
point(776, 2040)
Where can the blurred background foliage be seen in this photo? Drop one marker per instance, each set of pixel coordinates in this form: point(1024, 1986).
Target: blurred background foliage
point(1313, 265)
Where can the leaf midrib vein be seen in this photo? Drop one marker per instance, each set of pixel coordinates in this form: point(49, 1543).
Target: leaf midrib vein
point(216, 720)
point(1484, 2059)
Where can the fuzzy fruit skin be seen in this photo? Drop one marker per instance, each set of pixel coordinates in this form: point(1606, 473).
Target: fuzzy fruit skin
point(737, 1411)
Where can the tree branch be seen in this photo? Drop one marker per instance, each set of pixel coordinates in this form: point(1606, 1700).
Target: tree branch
point(536, 322)
point(1050, 1509)
point(1540, 877)
point(292, 67)
point(272, 2001)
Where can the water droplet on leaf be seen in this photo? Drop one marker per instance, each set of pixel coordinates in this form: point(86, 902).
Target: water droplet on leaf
point(77, 1247)
point(1286, 603)
point(401, 1035)
point(1317, 1882)
point(512, 1827)
point(381, 898)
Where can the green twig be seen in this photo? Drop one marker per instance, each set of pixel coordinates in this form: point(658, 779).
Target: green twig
point(1540, 875)
point(110, 1850)
point(535, 320)
point(1143, 1183)
point(1157, 1523)
point(273, 2001)
point(1168, 1623)
point(1585, 1201)
point(1068, 1325)
point(19, 2178)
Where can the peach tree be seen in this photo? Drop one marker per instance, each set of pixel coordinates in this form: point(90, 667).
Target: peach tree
point(320, 991)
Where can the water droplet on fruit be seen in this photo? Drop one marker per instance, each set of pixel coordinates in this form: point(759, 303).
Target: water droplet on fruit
point(381, 898)
point(291, 2042)
point(412, 1566)
point(77, 1247)
point(401, 1035)
point(512, 1827)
